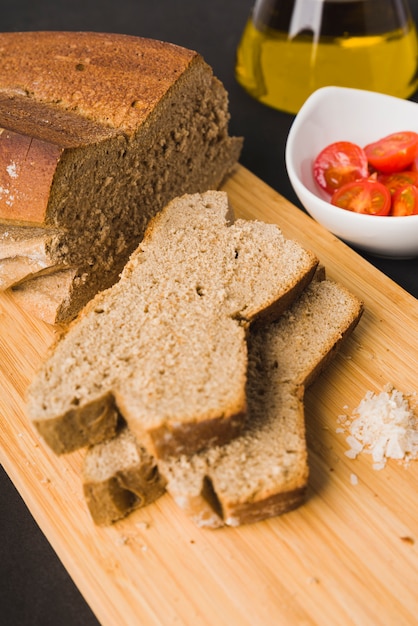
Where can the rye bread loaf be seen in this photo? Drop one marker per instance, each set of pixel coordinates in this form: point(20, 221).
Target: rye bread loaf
point(264, 471)
point(119, 476)
point(97, 133)
point(166, 345)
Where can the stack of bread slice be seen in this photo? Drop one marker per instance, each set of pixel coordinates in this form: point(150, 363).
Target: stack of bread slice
point(188, 374)
point(97, 133)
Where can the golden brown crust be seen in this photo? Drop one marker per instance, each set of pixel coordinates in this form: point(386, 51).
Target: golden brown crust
point(26, 177)
point(272, 506)
point(277, 307)
point(49, 123)
point(113, 80)
point(167, 441)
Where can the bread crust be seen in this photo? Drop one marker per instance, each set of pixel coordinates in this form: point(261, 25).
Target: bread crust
point(118, 477)
point(26, 178)
point(94, 422)
point(110, 79)
point(172, 440)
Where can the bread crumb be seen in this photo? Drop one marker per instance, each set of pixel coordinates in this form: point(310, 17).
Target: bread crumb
point(122, 540)
point(408, 539)
point(382, 425)
point(354, 479)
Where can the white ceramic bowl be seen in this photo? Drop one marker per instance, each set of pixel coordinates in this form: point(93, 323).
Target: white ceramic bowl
point(340, 114)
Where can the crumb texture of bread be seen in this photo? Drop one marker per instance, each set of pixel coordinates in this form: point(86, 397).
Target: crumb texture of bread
point(166, 345)
point(119, 476)
point(99, 132)
point(264, 471)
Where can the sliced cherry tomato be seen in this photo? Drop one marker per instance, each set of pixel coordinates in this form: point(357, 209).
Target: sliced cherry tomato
point(363, 196)
point(340, 163)
point(405, 201)
point(393, 153)
point(399, 179)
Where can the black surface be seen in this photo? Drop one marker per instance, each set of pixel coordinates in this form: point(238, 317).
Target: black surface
point(34, 587)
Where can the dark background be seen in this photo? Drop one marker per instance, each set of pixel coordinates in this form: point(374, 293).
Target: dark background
point(35, 589)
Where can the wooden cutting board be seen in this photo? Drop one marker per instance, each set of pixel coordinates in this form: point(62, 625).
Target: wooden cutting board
point(348, 556)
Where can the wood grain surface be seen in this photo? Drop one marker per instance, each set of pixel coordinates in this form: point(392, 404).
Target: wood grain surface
point(348, 556)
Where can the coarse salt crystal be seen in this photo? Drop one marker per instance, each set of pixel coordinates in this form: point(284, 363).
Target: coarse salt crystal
point(12, 170)
point(384, 426)
point(354, 479)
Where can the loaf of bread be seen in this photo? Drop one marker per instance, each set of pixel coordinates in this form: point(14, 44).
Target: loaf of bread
point(166, 345)
point(97, 133)
point(119, 476)
point(264, 471)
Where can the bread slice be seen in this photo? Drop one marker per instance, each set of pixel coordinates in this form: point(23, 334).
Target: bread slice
point(98, 132)
point(166, 345)
point(24, 252)
point(47, 292)
point(119, 476)
point(264, 471)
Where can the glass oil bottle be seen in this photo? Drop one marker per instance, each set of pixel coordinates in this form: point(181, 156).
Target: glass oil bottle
point(290, 48)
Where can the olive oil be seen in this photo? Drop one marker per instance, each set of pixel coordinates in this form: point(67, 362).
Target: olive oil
point(369, 44)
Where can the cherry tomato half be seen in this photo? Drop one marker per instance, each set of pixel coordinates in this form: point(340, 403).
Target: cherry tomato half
point(394, 152)
point(363, 196)
point(339, 163)
point(405, 201)
point(399, 179)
